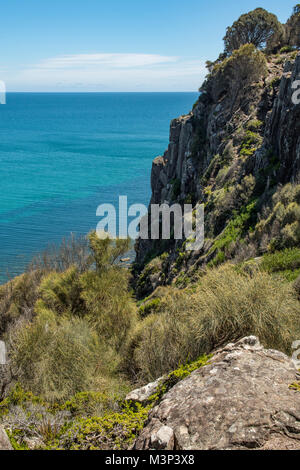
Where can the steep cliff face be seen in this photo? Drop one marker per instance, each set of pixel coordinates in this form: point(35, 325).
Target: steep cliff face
point(283, 126)
point(232, 149)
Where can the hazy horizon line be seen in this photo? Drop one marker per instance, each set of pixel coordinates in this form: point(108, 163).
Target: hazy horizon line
point(95, 92)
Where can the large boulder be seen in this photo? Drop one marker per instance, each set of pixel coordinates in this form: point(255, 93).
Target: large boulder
point(4, 441)
point(241, 400)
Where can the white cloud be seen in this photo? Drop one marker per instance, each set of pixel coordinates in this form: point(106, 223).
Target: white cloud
point(110, 72)
point(104, 60)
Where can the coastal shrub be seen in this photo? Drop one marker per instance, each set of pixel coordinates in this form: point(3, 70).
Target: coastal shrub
point(91, 403)
point(286, 49)
point(109, 304)
point(101, 294)
point(246, 65)
point(34, 426)
point(56, 358)
point(61, 292)
point(225, 306)
point(250, 143)
point(279, 224)
point(114, 431)
point(149, 307)
point(106, 252)
point(17, 396)
point(72, 251)
point(72, 337)
point(227, 203)
point(233, 232)
point(17, 299)
point(235, 305)
point(254, 125)
point(286, 262)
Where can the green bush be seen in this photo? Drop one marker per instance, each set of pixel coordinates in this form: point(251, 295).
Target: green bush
point(114, 431)
point(279, 225)
point(254, 125)
point(286, 262)
point(149, 307)
point(91, 404)
point(18, 298)
point(286, 49)
point(61, 292)
point(258, 27)
point(235, 229)
point(17, 396)
point(56, 358)
point(244, 67)
point(250, 143)
point(109, 304)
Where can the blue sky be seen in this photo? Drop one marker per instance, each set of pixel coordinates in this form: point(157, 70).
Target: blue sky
point(116, 45)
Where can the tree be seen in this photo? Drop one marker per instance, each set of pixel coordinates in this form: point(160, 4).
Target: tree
point(293, 27)
point(244, 67)
point(258, 27)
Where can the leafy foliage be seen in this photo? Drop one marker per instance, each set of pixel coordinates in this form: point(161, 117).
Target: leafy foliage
point(114, 431)
point(79, 321)
point(258, 27)
point(293, 27)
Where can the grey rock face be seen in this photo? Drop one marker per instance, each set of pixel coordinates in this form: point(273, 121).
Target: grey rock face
point(283, 126)
point(241, 400)
point(2, 353)
point(197, 138)
point(4, 441)
point(141, 395)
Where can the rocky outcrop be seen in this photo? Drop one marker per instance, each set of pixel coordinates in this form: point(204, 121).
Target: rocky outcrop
point(283, 125)
point(205, 154)
point(4, 441)
point(242, 400)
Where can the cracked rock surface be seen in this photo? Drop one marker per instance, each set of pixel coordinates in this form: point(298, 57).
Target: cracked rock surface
point(241, 400)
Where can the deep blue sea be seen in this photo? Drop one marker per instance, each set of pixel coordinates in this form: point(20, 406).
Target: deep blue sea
point(63, 154)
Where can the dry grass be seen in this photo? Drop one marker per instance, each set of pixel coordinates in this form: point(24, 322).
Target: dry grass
point(58, 357)
point(224, 306)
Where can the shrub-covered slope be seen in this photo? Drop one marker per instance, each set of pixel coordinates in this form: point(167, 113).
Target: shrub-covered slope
point(238, 153)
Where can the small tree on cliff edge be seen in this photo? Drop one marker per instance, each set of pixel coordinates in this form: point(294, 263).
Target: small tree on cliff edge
point(293, 27)
point(258, 27)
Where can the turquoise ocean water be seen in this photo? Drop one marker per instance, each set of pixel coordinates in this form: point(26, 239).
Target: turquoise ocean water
point(63, 154)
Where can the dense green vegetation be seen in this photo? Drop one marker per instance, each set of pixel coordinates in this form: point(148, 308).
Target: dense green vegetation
point(258, 27)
